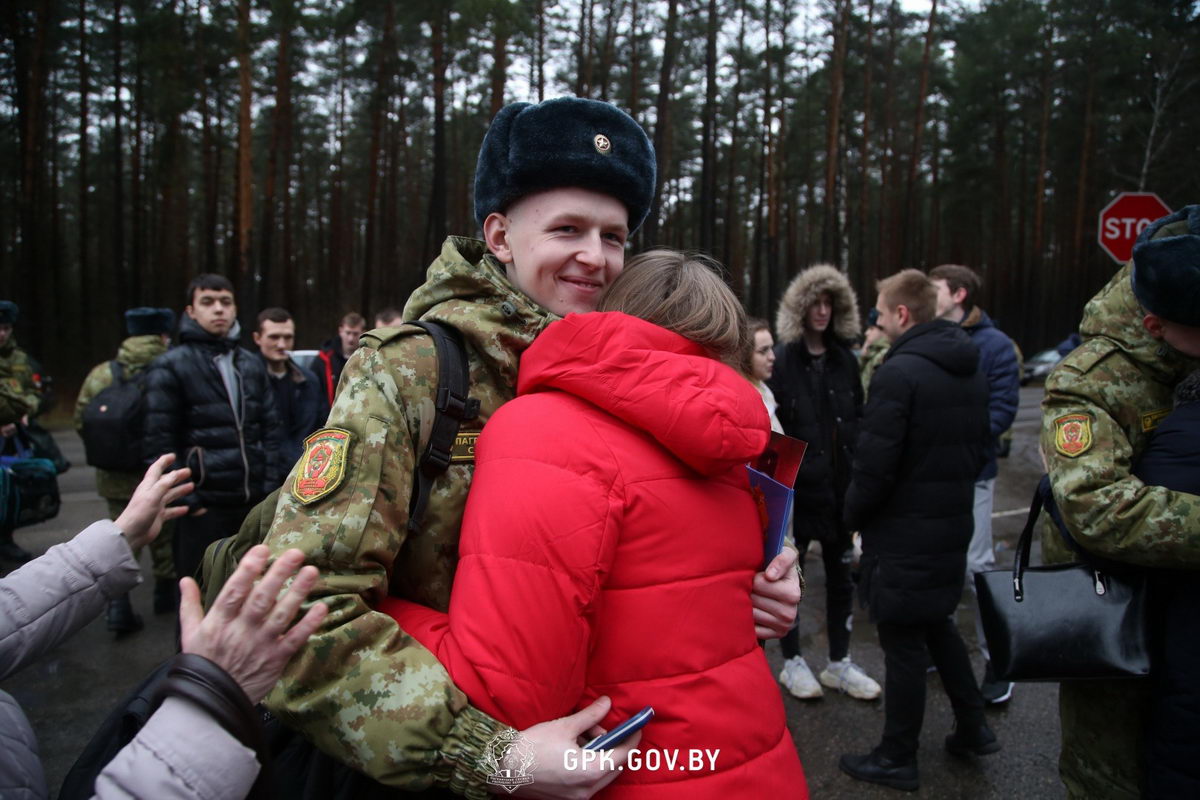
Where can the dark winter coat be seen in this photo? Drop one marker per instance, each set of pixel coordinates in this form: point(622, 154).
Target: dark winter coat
point(1172, 459)
point(300, 402)
point(998, 363)
point(820, 406)
point(920, 446)
point(233, 452)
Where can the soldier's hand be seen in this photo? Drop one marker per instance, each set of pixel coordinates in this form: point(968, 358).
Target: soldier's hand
point(776, 593)
point(143, 517)
point(557, 746)
point(249, 630)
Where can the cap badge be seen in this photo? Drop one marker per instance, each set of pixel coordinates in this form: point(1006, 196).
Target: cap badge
point(603, 144)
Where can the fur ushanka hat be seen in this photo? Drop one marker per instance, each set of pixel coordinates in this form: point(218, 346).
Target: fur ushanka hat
point(145, 321)
point(568, 141)
point(1166, 267)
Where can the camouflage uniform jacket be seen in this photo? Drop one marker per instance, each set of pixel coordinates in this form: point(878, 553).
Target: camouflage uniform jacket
point(869, 360)
point(362, 690)
point(134, 355)
point(1101, 405)
point(16, 364)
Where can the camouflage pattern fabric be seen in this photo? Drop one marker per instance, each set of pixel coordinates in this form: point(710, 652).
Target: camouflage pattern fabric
point(870, 359)
point(17, 365)
point(15, 401)
point(134, 355)
point(361, 689)
point(1101, 406)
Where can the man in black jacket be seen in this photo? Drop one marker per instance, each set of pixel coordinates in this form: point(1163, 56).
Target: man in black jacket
point(920, 446)
point(209, 402)
point(299, 396)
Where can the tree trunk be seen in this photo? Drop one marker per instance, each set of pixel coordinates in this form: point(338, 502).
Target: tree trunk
point(864, 159)
point(118, 162)
point(910, 194)
point(837, 79)
point(244, 181)
point(708, 147)
point(737, 265)
point(283, 77)
point(435, 230)
point(662, 123)
point(1039, 191)
point(499, 60)
point(84, 201)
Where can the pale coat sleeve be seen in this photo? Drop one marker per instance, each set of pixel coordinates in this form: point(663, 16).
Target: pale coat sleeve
point(52, 597)
point(180, 753)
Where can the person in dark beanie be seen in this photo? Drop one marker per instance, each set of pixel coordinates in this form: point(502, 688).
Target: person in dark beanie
point(148, 331)
point(922, 441)
point(209, 402)
point(299, 396)
point(559, 188)
point(1103, 404)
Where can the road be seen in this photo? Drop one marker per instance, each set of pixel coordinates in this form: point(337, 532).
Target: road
point(69, 691)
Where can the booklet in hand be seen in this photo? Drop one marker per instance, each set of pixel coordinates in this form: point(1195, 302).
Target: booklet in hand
point(772, 479)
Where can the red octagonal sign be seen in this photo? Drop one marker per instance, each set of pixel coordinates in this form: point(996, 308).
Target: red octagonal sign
point(1124, 218)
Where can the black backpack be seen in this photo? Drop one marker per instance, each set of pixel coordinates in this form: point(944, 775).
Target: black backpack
point(113, 423)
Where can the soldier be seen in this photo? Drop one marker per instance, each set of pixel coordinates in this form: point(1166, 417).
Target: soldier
point(875, 347)
point(388, 317)
point(148, 332)
point(18, 400)
point(559, 187)
point(1141, 336)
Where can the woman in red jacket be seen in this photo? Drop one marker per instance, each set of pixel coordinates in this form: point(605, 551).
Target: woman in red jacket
point(610, 541)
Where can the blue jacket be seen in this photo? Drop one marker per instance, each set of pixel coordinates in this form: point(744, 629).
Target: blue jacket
point(998, 363)
point(300, 401)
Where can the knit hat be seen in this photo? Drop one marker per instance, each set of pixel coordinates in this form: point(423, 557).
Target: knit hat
point(1166, 267)
point(569, 141)
point(146, 321)
point(9, 311)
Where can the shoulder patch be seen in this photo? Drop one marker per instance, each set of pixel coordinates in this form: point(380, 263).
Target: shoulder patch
point(322, 468)
point(1073, 434)
point(1150, 420)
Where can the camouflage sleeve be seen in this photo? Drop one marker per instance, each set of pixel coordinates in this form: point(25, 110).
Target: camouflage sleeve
point(1109, 511)
point(14, 402)
point(96, 381)
point(362, 690)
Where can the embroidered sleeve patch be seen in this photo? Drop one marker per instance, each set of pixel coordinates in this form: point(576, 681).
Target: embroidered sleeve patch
point(323, 466)
point(1073, 434)
point(1150, 421)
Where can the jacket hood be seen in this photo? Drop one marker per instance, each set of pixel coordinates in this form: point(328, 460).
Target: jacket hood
point(942, 342)
point(190, 332)
point(1115, 314)
point(655, 380)
point(466, 287)
point(138, 351)
point(804, 290)
point(977, 318)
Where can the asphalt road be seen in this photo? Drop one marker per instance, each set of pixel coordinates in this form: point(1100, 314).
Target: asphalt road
point(70, 690)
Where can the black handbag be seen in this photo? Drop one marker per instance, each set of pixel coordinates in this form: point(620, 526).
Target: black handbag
point(1063, 622)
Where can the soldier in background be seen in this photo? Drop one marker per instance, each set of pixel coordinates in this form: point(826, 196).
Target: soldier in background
point(18, 400)
point(388, 317)
point(1141, 336)
point(875, 347)
point(332, 357)
point(148, 331)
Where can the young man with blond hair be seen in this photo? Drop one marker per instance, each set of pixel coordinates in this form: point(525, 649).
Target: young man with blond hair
point(920, 446)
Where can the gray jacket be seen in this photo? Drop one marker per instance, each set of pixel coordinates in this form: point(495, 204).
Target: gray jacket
point(180, 753)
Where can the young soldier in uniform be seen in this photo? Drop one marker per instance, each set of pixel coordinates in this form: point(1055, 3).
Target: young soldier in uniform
point(149, 331)
point(559, 187)
point(1141, 336)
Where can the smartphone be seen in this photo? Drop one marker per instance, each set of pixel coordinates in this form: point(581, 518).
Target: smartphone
point(607, 741)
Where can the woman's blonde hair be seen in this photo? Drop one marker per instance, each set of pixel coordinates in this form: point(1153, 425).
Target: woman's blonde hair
point(684, 293)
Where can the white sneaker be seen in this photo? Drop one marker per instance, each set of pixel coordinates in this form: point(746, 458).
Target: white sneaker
point(848, 678)
point(798, 679)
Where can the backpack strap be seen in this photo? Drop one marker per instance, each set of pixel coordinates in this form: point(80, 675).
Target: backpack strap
point(118, 372)
point(452, 407)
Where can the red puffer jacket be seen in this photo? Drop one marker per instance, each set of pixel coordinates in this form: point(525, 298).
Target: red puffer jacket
point(608, 548)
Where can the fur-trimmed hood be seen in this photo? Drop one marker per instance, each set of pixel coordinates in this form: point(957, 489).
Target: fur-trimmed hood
point(804, 290)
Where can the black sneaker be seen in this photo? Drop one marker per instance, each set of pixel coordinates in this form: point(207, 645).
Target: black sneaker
point(121, 619)
point(995, 692)
point(976, 740)
point(875, 767)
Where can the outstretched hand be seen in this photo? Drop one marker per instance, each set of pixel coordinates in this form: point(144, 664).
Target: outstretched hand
point(552, 742)
point(143, 517)
point(249, 631)
point(776, 593)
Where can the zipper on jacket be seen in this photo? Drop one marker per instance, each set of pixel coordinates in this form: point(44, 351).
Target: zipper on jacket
point(238, 418)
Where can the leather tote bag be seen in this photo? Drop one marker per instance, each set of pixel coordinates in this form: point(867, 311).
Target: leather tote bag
point(1065, 621)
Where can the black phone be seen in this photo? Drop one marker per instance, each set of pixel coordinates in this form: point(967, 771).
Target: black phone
point(607, 741)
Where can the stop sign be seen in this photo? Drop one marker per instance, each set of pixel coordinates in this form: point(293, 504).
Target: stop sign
point(1124, 218)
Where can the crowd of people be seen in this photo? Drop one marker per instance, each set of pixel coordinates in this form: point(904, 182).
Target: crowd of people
point(497, 571)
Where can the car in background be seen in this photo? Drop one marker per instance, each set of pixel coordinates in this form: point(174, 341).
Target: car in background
point(307, 359)
point(1038, 366)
